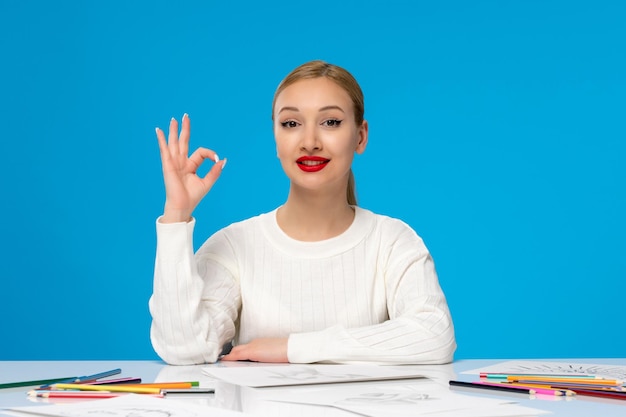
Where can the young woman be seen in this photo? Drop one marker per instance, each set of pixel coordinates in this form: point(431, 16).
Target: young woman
point(318, 279)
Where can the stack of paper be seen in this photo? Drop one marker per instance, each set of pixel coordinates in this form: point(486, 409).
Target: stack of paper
point(400, 391)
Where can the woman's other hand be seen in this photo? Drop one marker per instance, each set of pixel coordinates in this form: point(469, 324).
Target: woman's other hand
point(260, 350)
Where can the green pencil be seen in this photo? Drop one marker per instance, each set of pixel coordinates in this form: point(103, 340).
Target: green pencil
point(33, 383)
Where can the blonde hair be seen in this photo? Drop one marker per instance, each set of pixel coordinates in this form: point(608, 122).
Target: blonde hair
point(317, 69)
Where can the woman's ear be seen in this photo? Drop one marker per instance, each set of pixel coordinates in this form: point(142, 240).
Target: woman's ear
point(362, 143)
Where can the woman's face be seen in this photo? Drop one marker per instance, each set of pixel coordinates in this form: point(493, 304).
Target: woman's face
point(316, 134)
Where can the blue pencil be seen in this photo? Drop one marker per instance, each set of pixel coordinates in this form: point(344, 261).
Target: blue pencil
point(95, 377)
point(85, 378)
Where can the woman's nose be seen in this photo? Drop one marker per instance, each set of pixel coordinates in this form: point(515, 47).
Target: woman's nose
point(310, 141)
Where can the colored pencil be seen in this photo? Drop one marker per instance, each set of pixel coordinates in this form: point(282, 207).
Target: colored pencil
point(34, 383)
point(505, 376)
point(566, 380)
point(566, 390)
point(563, 390)
point(112, 388)
point(608, 389)
point(79, 394)
point(503, 387)
point(188, 391)
point(97, 376)
point(603, 394)
point(128, 380)
point(161, 385)
point(537, 389)
point(572, 386)
point(572, 389)
point(85, 378)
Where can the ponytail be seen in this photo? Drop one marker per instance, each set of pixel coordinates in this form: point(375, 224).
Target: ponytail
point(351, 192)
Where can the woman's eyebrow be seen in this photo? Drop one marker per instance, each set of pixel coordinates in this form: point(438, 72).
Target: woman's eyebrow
point(287, 108)
point(332, 107)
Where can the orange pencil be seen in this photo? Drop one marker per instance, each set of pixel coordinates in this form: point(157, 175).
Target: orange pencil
point(162, 385)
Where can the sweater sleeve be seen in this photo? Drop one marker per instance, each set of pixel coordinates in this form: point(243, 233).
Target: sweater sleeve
point(419, 329)
point(195, 299)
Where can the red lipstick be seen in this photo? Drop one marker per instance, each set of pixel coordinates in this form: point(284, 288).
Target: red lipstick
point(312, 163)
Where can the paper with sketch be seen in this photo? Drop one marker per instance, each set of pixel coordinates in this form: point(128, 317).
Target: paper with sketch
point(134, 405)
point(554, 368)
point(417, 398)
point(275, 376)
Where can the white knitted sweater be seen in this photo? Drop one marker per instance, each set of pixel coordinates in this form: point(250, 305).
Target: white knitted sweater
point(370, 294)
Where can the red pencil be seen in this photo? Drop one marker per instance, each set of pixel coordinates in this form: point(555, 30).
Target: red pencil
point(604, 394)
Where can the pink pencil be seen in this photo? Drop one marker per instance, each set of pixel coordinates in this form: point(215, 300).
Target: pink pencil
point(80, 394)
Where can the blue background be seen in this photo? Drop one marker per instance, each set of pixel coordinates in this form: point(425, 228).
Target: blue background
point(496, 131)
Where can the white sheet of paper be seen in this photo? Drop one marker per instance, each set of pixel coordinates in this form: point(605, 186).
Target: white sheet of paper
point(134, 405)
point(421, 398)
point(553, 368)
point(275, 376)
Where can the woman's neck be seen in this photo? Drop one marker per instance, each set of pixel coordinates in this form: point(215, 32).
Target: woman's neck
point(313, 218)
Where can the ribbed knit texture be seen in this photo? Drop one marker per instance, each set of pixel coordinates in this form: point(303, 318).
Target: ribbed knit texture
point(370, 294)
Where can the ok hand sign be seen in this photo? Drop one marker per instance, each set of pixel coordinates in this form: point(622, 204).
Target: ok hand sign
point(183, 187)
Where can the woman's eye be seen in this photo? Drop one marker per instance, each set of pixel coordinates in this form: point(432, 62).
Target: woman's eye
point(332, 123)
point(289, 123)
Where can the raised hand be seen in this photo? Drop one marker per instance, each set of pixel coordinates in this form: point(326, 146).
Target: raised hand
point(183, 187)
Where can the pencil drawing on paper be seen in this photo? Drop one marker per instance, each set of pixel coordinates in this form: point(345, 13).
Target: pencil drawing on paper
point(385, 398)
point(298, 374)
point(126, 412)
point(618, 372)
point(555, 368)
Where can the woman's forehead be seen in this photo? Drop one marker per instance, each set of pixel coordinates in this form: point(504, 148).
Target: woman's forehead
point(313, 92)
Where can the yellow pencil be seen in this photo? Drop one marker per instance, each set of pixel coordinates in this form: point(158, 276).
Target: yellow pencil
point(586, 381)
point(110, 388)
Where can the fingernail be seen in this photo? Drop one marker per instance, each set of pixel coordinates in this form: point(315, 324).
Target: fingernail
point(224, 162)
point(185, 116)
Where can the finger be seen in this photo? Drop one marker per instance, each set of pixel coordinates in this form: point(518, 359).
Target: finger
point(237, 353)
point(229, 357)
point(161, 138)
point(185, 132)
point(172, 139)
point(214, 173)
point(197, 158)
point(165, 153)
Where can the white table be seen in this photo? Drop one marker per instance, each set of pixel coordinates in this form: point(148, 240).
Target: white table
point(245, 399)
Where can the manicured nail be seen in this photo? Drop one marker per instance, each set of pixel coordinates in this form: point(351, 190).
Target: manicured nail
point(224, 162)
point(216, 158)
point(185, 116)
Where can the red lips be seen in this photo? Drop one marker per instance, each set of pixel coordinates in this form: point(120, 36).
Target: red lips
point(312, 163)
